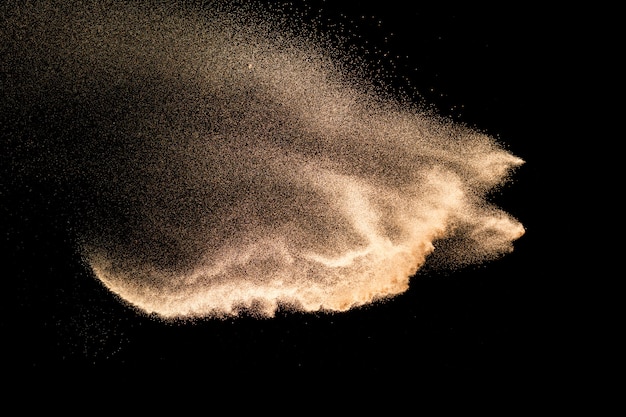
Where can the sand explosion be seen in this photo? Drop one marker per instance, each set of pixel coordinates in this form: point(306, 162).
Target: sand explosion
point(227, 163)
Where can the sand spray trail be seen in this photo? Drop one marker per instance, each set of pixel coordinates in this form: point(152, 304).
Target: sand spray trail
point(228, 164)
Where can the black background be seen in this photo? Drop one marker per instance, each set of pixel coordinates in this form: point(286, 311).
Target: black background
point(487, 67)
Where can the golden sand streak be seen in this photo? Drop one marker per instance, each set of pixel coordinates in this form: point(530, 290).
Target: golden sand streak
point(232, 165)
